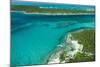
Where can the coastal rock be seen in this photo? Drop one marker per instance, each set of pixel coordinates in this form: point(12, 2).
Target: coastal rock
point(73, 48)
point(68, 50)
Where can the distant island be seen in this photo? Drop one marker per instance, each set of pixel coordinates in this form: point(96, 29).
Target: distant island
point(36, 9)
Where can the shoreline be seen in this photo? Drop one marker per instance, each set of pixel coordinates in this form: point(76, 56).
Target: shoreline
point(55, 13)
point(54, 57)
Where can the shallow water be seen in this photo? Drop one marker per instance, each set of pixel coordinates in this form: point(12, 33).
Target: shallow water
point(33, 37)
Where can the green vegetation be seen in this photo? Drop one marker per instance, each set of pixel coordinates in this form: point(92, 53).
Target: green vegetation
point(62, 56)
point(35, 9)
point(87, 39)
point(81, 57)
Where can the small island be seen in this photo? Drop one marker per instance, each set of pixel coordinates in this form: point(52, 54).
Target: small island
point(39, 10)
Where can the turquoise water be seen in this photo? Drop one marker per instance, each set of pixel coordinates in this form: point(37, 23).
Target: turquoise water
point(34, 37)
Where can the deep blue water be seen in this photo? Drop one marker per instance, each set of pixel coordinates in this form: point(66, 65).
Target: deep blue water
point(34, 37)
